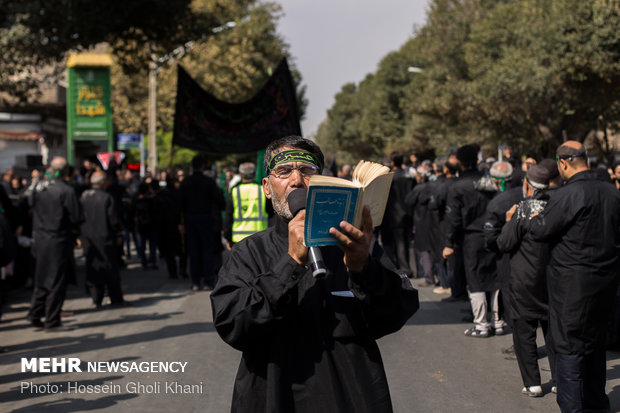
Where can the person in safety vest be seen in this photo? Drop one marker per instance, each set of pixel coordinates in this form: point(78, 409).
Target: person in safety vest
point(246, 211)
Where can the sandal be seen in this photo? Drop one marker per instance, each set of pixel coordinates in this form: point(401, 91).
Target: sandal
point(473, 332)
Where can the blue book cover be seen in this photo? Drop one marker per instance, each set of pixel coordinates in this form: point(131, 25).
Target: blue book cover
point(326, 207)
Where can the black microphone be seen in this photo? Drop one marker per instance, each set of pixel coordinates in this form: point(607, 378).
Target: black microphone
point(296, 202)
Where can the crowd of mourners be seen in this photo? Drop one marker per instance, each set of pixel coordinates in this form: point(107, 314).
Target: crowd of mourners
point(491, 232)
point(530, 243)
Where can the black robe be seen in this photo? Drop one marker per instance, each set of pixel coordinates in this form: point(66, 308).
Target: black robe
point(465, 208)
point(308, 345)
point(437, 205)
point(425, 221)
point(582, 224)
point(396, 214)
point(57, 214)
point(495, 218)
point(99, 234)
point(527, 281)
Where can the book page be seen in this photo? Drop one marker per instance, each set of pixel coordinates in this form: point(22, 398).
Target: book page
point(325, 180)
point(375, 195)
point(366, 171)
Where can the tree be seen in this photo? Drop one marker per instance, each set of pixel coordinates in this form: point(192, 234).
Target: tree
point(551, 70)
point(39, 33)
point(526, 72)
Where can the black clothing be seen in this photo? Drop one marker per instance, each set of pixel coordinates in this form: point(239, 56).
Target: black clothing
point(8, 245)
point(305, 347)
point(526, 349)
point(465, 208)
point(426, 226)
point(200, 195)
point(518, 175)
point(201, 203)
point(450, 269)
point(425, 221)
point(396, 214)
point(526, 288)
point(397, 224)
point(146, 224)
point(10, 211)
point(437, 206)
point(527, 284)
point(495, 218)
point(57, 215)
point(496, 214)
point(100, 232)
point(145, 214)
point(171, 245)
point(581, 222)
point(581, 382)
point(57, 211)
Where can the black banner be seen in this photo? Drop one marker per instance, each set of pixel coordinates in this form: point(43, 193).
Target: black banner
point(205, 123)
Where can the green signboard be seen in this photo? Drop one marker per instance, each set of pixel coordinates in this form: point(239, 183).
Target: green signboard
point(89, 112)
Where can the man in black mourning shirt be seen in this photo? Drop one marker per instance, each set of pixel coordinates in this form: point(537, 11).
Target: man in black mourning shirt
point(581, 222)
point(308, 344)
point(57, 214)
point(100, 235)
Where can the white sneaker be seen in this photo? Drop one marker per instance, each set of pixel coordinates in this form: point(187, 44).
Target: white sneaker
point(532, 391)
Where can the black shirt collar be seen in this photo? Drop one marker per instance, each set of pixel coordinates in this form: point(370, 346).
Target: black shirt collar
point(281, 226)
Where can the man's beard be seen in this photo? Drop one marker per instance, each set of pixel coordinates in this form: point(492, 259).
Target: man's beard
point(280, 205)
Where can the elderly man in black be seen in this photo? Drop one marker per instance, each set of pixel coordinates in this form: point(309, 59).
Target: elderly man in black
point(308, 344)
point(582, 224)
point(101, 236)
point(527, 282)
point(56, 217)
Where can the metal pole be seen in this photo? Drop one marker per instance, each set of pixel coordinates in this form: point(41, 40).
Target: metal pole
point(152, 117)
point(141, 155)
point(177, 53)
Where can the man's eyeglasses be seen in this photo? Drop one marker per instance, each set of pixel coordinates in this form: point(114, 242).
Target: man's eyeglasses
point(284, 171)
point(569, 157)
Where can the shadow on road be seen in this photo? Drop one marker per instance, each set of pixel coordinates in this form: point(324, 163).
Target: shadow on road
point(76, 405)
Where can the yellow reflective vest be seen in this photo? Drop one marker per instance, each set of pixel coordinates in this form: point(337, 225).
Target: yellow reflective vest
point(249, 211)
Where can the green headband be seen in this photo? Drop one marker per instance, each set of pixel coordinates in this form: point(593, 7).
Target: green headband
point(293, 155)
point(502, 181)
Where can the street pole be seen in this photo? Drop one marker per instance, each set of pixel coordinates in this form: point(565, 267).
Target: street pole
point(154, 65)
point(142, 168)
point(152, 117)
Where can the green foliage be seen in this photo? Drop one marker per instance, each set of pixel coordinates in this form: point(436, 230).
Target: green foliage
point(528, 72)
point(40, 33)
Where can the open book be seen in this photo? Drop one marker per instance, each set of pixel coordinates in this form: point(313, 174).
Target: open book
point(331, 200)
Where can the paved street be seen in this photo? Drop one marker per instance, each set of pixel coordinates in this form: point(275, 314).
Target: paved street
point(431, 366)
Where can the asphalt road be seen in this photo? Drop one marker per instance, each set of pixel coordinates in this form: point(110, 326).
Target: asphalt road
point(431, 365)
